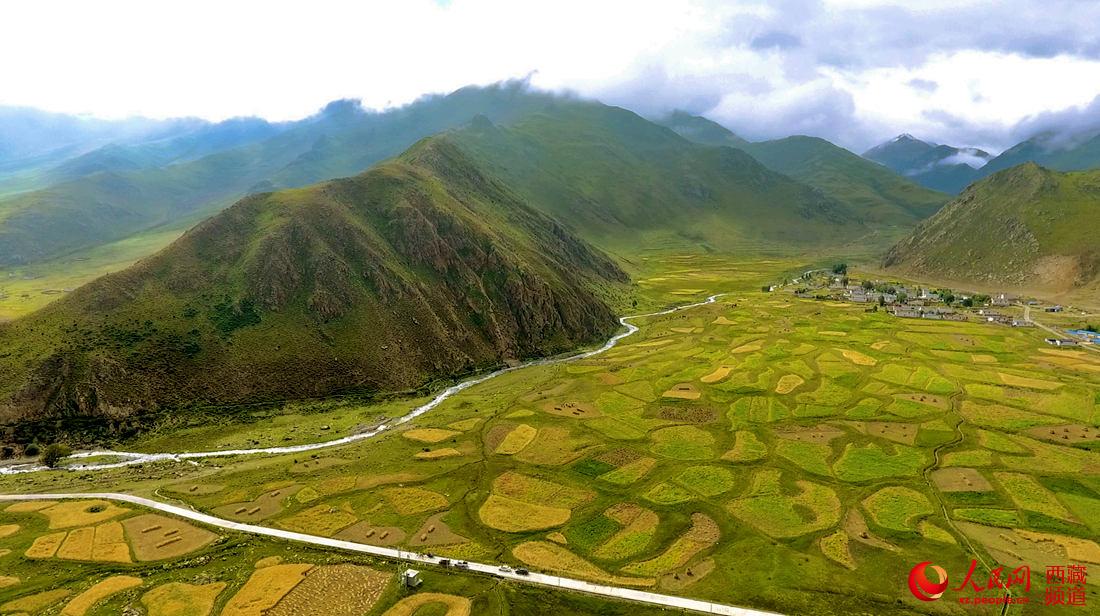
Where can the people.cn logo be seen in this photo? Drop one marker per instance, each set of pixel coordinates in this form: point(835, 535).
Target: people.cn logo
point(924, 588)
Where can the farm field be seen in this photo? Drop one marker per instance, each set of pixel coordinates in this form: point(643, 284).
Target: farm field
point(766, 451)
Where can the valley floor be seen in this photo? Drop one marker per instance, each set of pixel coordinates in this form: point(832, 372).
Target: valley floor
point(782, 454)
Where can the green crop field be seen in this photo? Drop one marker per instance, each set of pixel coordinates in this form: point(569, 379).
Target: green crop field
point(682, 461)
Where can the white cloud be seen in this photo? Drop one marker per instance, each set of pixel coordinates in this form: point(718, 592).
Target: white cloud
point(851, 70)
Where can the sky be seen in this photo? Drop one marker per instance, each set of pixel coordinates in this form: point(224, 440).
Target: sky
point(857, 72)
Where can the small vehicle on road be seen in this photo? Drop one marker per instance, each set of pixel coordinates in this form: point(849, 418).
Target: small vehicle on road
point(521, 571)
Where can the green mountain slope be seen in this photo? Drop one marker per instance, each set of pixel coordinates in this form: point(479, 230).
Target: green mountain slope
point(623, 182)
point(878, 194)
point(128, 198)
point(1025, 226)
point(420, 268)
point(1060, 152)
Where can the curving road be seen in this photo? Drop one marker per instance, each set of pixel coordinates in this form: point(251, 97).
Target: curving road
point(130, 458)
point(539, 579)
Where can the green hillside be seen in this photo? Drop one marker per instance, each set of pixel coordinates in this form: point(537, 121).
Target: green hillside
point(879, 195)
point(423, 267)
point(1025, 226)
point(1061, 152)
point(624, 182)
point(700, 130)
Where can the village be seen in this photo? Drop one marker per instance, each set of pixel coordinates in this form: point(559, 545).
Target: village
point(908, 301)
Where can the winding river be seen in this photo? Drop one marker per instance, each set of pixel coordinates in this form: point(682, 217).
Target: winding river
point(128, 458)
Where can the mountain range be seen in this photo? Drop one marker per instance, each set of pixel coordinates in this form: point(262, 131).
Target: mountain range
point(951, 169)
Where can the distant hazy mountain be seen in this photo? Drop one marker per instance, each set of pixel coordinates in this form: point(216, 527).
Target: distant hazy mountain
point(873, 193)
point(939, 167)
point(117, 192)
point(423, 267)
point(1023, 226)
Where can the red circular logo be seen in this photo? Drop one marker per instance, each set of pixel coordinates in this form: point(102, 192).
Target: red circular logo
point(924, 588)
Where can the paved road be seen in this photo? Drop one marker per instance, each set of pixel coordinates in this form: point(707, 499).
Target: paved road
point(1057, 334)
point(130, 458)
point(540, 579)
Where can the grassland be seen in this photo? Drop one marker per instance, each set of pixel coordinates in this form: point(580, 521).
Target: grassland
point(891, 458)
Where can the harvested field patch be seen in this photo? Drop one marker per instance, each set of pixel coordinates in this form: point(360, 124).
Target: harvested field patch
point(686, 576)
point(718, 374)
point(904, 433)
point(746, 448)
point(856, 527)
point(1067, 433)
point(1014, 547)
point(46, 545)
point(195, 489)
point(333, 590)
point(521, 413)
point(364, 532)
point(36, 602)
point(573, 409)
point(156, 537)
point(324, 520)
point(179, 599)
point(87, 599)
point(858, 358)
point(7, 580)
point(788, 383)
point(434, 532)
point(429, 435)
point(335, 485)
point(895, 507)
point(835, 547)
point(829, 332)
point(547, 556)
point(435, 454)
point(7, 530)
point(683, 391)
point(409, 606)
point(264, 506)
point(264, 589)
point(1004, 417)
point(723, 321)
point(81, 513)
point(980, 358)
point(410, 501)
point(880, 345)
point(517, 439)
point(822, 433)
point(619, 457)
point(702, 535)
point(960, 479)
point(630, 472)
point(516, 516)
